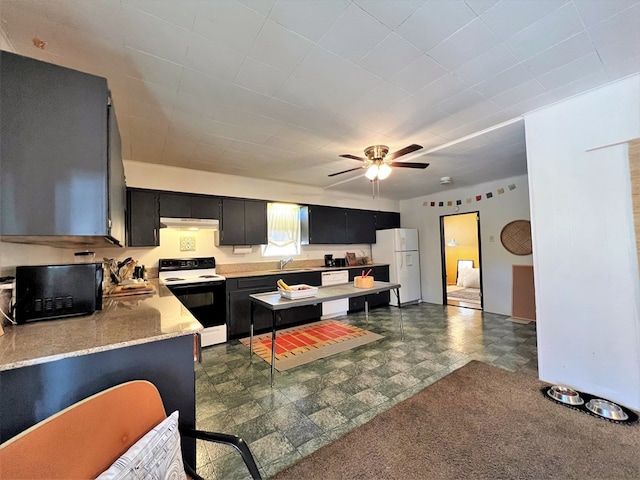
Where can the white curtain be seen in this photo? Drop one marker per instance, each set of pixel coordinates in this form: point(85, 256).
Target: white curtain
point(283, 228)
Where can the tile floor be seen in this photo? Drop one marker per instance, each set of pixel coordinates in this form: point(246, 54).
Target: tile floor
point(311, 405)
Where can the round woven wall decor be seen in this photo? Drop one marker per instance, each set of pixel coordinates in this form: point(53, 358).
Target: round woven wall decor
point(516, 237)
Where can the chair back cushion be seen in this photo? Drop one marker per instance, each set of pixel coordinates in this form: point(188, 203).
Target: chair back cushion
point(84, 439)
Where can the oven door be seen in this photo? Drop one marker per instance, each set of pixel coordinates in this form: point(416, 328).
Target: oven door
point(205, 301)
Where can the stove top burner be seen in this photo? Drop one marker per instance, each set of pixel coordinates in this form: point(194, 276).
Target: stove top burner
point(173, 279)
point(208, 276)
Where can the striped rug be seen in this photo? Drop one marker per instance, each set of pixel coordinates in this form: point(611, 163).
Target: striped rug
point(303, 344)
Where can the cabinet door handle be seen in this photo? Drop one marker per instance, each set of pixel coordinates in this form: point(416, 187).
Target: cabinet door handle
point(155, 236)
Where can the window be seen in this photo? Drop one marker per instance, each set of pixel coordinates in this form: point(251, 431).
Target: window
point(283, 230)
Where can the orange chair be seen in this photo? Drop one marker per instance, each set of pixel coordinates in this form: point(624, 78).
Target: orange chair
point(85, 439)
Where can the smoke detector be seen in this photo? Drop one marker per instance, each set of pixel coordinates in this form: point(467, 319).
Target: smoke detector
point(445, 181)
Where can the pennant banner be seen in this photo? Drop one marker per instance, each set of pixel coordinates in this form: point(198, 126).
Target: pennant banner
point(477, 198)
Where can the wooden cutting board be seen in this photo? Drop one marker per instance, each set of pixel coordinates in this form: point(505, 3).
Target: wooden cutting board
point(127, 290)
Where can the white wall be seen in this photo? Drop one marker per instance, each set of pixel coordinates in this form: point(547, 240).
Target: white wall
point(586, 272)
point(495, 213)
point(145, 175)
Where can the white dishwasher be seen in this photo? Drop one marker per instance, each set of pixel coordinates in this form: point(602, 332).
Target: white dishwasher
point(335, 307)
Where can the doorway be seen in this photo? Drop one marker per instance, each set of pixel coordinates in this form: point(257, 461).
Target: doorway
point(461, 260)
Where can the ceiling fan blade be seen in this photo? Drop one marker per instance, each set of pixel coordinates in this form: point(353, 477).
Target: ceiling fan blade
point(346, 155)
point(409, 164)
point(411, 148)
point(345, 171)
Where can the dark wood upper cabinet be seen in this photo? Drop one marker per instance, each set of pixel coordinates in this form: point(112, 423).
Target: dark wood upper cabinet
point(62, 169)
point(327, 225)
point(188, 205)
point(243, 222)
point(143, 219)
point(175, 205)
point(385, 220)
point(361, 226)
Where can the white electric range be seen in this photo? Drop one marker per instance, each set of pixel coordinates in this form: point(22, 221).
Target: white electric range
point(201, 290)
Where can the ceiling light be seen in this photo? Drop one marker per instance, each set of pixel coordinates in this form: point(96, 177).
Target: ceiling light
point(372, 172)
point(453, 243)
point(445, 181)
point(384, 171)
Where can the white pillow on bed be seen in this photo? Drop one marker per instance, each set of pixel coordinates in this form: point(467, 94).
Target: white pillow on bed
point(471, 278)
point(462, 273)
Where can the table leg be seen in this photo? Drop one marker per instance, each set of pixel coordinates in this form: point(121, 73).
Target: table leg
point(366, 309)
point(397, 292)
point(253, 308)
point(273, 347)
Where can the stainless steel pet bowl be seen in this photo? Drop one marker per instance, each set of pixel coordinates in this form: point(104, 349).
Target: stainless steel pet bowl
point(606, 409)
point(565, 395)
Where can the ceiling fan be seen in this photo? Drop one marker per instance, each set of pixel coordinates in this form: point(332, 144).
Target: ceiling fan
point(379, 164)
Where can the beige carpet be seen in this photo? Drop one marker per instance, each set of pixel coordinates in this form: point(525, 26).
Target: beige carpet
point(479, 422)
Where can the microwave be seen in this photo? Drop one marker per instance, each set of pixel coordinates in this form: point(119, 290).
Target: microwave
point(47, 292)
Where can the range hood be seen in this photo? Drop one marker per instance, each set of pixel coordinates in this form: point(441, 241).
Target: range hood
point(189, 223)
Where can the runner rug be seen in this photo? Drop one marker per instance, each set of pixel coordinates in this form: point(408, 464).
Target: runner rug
point(303, 344)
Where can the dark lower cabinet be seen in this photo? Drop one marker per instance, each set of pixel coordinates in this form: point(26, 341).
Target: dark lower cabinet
point(32, 393)
point(239, 306)
point(143, 220)
point(379, 273)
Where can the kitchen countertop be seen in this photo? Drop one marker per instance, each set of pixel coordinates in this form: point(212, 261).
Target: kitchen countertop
point(258, 273)
point(122, 322)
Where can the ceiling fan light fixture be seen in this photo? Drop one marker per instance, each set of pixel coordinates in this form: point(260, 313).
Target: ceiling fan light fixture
point(372, 172)
point(384, 171)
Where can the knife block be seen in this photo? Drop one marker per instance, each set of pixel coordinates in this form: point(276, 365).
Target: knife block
point(363, 282)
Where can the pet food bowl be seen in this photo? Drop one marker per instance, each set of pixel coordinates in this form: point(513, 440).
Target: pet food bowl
point(565, 395)
point(606, 409)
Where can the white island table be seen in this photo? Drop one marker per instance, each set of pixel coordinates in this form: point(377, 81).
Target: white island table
point(276, 303)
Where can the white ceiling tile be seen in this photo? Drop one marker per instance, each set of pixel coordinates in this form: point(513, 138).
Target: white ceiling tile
point(152, 69)
point(480, 6)
point(309, 19)
point(506, 80)
point(152, 94)
point(301, 91)
point(508, 17)
point(195, 104)
point(153, 35)
point(615, 53)
point(181, 13)
point(203, 86)
point(206, 153)
point(354, 34)
point(434, 22)
point(518, 94)
point(582, 67)
point(280, 47)
point(470, 41)
point(260, 77)
point(392, 14)
point(419, 73)
point(460, 101)
point(228, 23)
point(221, 132)
point(390, 56)
point(556, 27)
point(486, 65)
point(263, 7)
point(623, 68)
point(560, 54)
point(445, 86)
point(214, 59)
point(593, 12)
point(620, 28)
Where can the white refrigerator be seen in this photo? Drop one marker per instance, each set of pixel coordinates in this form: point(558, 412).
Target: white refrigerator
point(399, 248)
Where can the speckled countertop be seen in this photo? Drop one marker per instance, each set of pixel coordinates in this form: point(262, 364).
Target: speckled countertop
point(271, 268)
point(122, 322)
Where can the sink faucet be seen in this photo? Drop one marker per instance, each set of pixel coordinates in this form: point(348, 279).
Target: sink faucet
point(284, 261)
